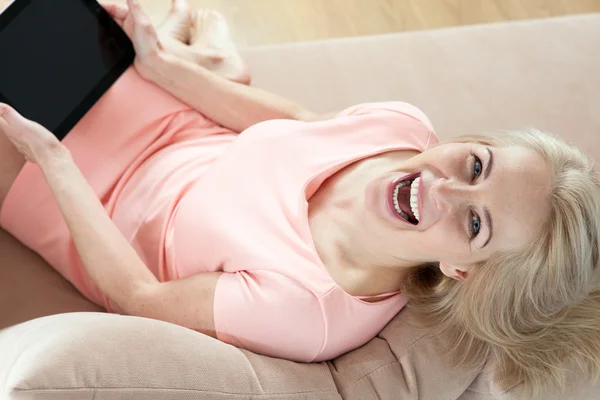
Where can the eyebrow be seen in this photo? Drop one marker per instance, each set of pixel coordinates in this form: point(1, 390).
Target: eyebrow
point(486, 211)
point(490, 164)
point(488, 221)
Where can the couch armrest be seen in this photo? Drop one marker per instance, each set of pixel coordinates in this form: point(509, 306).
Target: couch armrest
point(107, 356)
point(30, 288)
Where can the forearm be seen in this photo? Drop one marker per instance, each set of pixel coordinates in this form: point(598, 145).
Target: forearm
point(107, 256)
point(230, 104)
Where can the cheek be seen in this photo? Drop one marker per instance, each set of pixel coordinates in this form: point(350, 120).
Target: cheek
point(449, 160)
point(445, 238)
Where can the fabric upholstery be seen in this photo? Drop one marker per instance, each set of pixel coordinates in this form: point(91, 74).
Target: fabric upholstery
point(489, 77)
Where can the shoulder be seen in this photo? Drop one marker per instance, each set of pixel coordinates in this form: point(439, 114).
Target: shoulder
point(408, 121)
point(275, 315)
point(390, 109)
point(269, 313)
point(341, 313)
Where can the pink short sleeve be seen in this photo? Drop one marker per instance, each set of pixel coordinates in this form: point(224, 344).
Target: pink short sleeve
point(390, 108)
point(268, 313)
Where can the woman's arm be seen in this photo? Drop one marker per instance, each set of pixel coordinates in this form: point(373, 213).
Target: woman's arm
point(107, 256)
point(109, 259)
point(230, 104)
point(114, 265)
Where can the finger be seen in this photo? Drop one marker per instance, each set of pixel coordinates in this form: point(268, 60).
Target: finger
point(179, 5)
point(9, 115)
point(4, 109)
point(118, 11)
point(141, 20)
point(11, 118)
point(138, 13)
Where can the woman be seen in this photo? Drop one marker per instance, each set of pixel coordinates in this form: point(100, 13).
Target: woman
point(304, 235)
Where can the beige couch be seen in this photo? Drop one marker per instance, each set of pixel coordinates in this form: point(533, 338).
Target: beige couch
point(537, 73)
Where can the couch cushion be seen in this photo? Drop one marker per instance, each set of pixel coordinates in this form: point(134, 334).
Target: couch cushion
point(399, 364)
point(108, 357)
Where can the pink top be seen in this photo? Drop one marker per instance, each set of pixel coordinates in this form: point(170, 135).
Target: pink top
point(193, 197)
point(238, 204)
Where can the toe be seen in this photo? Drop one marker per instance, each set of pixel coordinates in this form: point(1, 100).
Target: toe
point(207, 56)
point(179, 22)
point(180, 6)
point(211, 30)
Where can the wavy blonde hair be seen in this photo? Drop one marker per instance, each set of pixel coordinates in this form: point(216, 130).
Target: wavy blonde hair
point(534, 312)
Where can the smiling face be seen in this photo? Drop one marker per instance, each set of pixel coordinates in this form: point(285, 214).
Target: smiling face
point(471, 201)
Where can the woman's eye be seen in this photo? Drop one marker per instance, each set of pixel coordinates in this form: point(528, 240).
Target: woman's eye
point(477, 167)
point(474, 225)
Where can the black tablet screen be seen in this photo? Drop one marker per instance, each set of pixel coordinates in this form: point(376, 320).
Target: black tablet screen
point(52, 55)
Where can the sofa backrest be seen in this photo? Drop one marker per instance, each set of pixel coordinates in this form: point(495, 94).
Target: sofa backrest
point(541, 74)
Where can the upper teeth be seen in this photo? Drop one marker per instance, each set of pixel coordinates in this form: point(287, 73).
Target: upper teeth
point(414, 198)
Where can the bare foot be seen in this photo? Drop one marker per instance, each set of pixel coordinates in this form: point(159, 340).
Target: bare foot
point(175, 31)
point(203, 38)
point(179, 23)
point(217, 51)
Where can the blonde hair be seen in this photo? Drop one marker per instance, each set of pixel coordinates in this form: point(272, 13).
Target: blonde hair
point(534, 312)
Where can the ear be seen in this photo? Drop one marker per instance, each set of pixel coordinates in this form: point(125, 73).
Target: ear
point(460, 273)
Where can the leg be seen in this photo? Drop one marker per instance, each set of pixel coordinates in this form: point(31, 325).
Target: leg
point(12, 163)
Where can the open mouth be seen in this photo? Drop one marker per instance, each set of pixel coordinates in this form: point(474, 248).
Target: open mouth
point(405, 198)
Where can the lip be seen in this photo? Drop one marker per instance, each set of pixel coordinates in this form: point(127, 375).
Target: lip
point(390, 192)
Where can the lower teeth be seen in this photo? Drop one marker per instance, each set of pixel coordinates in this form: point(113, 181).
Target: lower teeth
point(402, 214)
point(396, 205)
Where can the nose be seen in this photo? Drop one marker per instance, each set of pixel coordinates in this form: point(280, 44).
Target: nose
point(451, 194)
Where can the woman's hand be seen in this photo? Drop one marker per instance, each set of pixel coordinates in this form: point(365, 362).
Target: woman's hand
point(136, 23)
point(32, 140)
point(201, 37)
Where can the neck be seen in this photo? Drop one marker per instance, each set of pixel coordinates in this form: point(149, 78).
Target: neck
point(371, 278)
point(356, 272)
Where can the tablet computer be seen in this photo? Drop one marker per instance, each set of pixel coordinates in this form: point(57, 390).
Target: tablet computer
point(57, 58)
